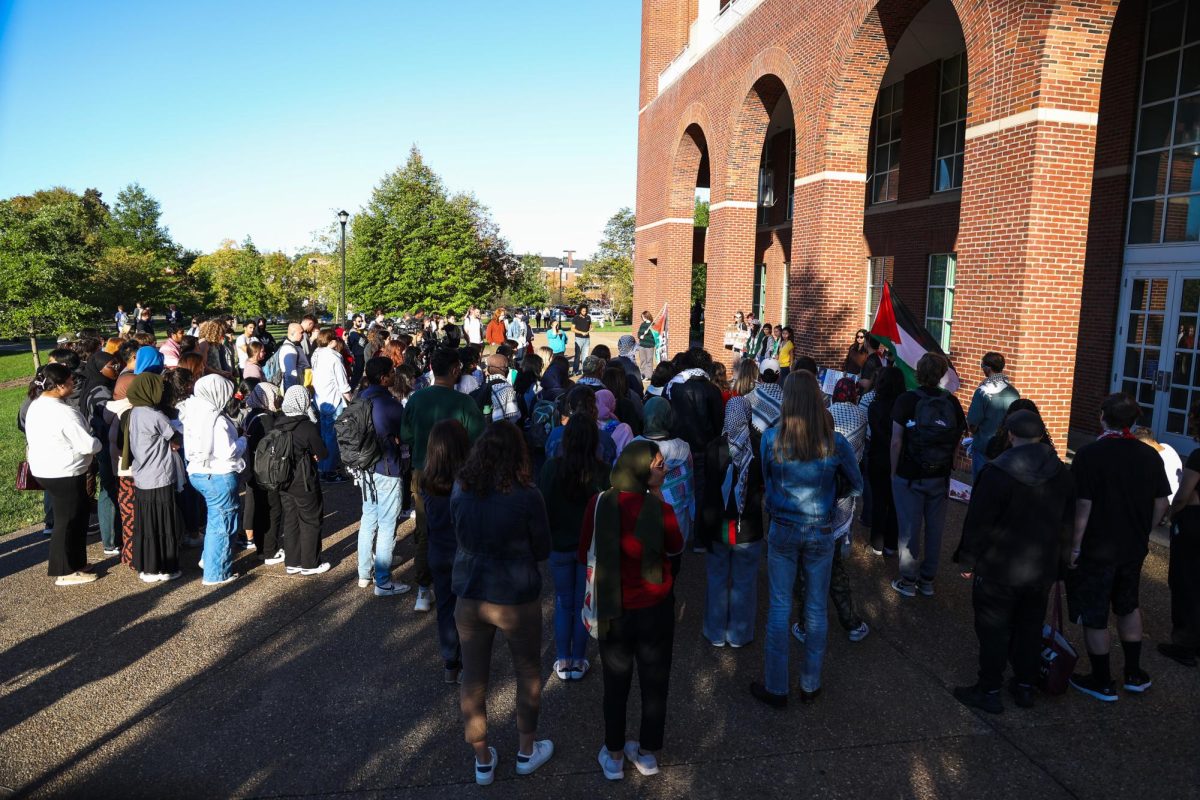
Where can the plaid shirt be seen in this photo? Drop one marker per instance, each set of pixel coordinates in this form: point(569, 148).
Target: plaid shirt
point(850, 421)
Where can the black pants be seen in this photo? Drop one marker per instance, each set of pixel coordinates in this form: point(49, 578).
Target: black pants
point(839, 592)
point(1183, 576)
point(1008, 622)
point(263, 514)
point(644, 637)
point(406, 486)
point(302, 529)
point(68, 544)
point(884, 528)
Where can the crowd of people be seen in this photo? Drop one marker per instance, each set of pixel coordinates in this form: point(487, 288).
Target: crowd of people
point(610, 467)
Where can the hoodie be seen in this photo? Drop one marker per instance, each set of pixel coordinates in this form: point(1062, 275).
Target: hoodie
point(1019, 522)
point(989, 406)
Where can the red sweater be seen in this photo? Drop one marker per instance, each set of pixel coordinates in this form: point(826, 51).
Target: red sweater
point(636, 592)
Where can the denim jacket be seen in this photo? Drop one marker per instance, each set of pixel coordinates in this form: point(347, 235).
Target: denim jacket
point(803, 492)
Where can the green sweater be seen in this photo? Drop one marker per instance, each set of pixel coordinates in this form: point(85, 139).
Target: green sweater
point(566, 516)
point(429, 406)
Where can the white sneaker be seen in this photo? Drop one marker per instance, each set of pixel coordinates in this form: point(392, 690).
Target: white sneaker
point(542, 750)
point(424, 599)
point(859, 633)
point(646, 763)
point(392, 589)
point(562, 670)
point(176, 575)
point(486, 773)
point(112, 551)
point(364, 583)
point(250, 545)
point(613, 770)
point(293, 570)
point(148, 577)
point(75, 579)
point(230, 579)
point(278, 558)
point(579, 670)
point(317, 570)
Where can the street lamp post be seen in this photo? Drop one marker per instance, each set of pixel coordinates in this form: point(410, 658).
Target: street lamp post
point(560, 272)
point(343, 216)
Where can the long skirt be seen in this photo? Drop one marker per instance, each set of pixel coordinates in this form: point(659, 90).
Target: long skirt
point(125, 509)
point(157, 531)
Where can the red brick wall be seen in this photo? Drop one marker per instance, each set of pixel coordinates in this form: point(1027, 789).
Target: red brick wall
point(1026, 201)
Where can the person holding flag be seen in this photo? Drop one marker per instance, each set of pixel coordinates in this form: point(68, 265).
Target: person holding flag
point(906, 340)
point(647, 345)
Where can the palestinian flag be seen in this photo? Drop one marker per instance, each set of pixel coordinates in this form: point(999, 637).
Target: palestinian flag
point(906, 339)
point(660, 329)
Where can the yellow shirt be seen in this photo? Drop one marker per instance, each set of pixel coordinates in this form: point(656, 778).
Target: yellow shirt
point(785, 354)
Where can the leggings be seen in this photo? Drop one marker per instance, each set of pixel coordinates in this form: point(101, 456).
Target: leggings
point(68, 542)
point(477, 622)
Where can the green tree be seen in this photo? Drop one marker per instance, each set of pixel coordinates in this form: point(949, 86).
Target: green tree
point(527, 286)
point(700, 217)
point(48, 247)
point(611, 268)
point(232, 279)
point(136, 223)
point(415, 246)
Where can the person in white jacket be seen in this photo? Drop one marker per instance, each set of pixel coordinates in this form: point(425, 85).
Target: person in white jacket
point(331, 393)
point(60, 450)
point(214, 459)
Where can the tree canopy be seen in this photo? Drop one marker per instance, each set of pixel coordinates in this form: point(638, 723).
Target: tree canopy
point(611, 268)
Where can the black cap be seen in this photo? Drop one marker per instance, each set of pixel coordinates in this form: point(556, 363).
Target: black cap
point(1025, 424)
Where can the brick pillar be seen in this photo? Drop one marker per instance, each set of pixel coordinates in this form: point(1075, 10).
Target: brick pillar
point(1021, 251)
point(667, 281)
point(827, 284)
point(730, 247)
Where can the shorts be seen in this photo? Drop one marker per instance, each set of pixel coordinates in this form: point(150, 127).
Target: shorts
point(1093, 588)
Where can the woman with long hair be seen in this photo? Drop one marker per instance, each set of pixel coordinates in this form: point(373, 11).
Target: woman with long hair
point(214, 350)
point(331, 393)
point(787, 350)
point(801, 456)
point(192, 363)
point(60, 451)
point(502, 532)
point(858, 353)
point(444, 456)
point(147, 443)
point(884, 528)
point(635, 536)
point(556, 337)
point(567, 483)
point(737, 334)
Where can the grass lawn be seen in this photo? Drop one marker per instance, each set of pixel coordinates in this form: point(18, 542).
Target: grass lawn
point(19, 365)
point(16, 508)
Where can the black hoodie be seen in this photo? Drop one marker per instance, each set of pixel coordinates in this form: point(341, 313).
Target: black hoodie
point(1019, 522)
point(307, 448)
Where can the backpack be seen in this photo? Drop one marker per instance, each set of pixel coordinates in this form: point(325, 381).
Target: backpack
point(273, 461)
point(356, 437)
point(543, 418)
point(273, 369)
point(932, 437)
point(485, 400)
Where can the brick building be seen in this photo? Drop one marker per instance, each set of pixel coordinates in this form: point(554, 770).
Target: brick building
point(1026, 174)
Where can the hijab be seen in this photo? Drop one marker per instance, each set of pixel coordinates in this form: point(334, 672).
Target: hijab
point(148, 360)
point(741, 451)
point(659, 420)
point(265, 397)
point(630, 475)
point(845, 391)
point(296, 402)
point(205, 407)
point(146, 391)
point(606, 405)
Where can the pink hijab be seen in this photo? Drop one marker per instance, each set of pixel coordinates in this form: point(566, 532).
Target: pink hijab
point(606, 406)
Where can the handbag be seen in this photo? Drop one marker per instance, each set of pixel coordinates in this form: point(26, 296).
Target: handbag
point(588, 613)
point(26, 482)
point(1058, 656)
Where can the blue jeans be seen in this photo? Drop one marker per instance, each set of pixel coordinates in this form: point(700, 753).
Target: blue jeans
point(789, 548)
point(583, 349)
point(377, 528)
point(731, 603)
point(441, 568)
point(570, 579)
point(917, 501)
point(106, 501)
point(329, 415)
point(220, 495)
point(978, 459)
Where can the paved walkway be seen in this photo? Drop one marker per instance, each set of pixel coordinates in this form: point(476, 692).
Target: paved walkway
point(278, 686)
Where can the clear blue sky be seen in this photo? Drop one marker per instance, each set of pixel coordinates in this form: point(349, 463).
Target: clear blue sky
point(264, 118)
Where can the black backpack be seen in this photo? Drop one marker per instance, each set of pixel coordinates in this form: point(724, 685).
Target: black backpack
point(273, 460)
point(544, 417)
point(356, 437)
point(932, 439)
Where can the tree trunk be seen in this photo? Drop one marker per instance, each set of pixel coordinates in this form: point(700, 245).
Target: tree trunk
point(37, 356)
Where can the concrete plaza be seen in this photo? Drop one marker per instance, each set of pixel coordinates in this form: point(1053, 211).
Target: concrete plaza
point(277, 686)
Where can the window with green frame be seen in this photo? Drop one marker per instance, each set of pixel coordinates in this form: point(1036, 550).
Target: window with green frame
point(939, 298)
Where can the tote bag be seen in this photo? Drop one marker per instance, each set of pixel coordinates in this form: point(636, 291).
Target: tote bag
point(588, 613)
point(1058, 656)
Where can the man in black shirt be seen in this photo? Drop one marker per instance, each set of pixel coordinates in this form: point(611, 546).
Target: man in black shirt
point(927, 424)
point(1122, 494)
point(581, 323)
point(1015, 540)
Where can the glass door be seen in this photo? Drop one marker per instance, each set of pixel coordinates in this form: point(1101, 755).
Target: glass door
point(1158, 355)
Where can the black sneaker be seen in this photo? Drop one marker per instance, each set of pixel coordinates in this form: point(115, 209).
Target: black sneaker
point(1178, 653)
point(975, 697)
point(1022, 694)
point(1094, 687)
point(770, 698)
point(1137, 682)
